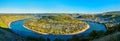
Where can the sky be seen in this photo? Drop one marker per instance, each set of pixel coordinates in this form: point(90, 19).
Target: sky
point(58, 6)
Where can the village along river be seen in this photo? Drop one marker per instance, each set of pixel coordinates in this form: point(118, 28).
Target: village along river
point(18, 28)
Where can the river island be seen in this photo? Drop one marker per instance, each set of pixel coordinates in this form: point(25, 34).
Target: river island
point(57, 25)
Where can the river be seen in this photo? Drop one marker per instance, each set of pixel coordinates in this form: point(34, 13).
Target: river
point(18, 28)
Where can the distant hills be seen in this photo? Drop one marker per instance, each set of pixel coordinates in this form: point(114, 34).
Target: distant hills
point(109, 12)
point(112, 12)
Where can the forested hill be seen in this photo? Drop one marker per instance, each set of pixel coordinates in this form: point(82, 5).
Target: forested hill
point(112, 12)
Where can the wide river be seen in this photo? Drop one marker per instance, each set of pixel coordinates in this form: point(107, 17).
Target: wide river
point(18, 28)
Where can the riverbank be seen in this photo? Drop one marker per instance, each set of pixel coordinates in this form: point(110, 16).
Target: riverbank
point(81, 30)
point(6, 19)
point(34, 30)
point(10, 36)
point(63, 34)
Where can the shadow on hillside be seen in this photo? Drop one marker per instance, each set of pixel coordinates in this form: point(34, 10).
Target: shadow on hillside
point(24, 39)
point(7, 29)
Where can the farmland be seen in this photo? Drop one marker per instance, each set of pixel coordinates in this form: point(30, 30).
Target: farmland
point(60, 24)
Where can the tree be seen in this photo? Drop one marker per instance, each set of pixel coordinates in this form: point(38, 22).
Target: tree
point(93, 34)
point(75, 38)
point(58, 39)
point(41, 39)
point(48, 39)
point(101, 33)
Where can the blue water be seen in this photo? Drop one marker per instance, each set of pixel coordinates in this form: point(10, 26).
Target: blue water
point(17, 27)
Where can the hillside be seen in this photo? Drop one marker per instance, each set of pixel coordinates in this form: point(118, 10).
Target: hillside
point(112, 12)
point(111, 37)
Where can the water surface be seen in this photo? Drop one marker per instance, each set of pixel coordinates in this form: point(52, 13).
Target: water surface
point(18, 28)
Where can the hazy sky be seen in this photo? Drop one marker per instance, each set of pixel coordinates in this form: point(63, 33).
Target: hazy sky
point(58, 6)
